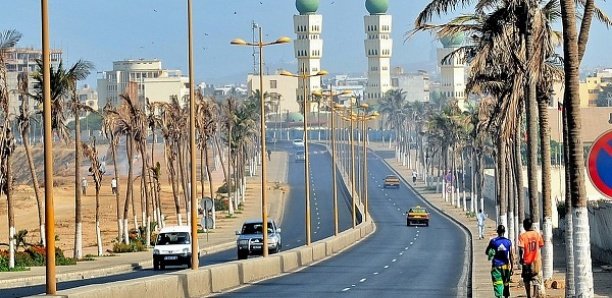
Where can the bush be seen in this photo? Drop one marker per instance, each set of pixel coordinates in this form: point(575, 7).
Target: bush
point(221, 204)
point(223, 188)
point(34, 255)
point(134, 246)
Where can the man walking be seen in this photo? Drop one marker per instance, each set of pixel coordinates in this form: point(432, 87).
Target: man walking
point(499, 251)
point(269, 153)
point(481, 218)
point(414, 176)
point(84, 186)
point(530, 243)
point(114, 185)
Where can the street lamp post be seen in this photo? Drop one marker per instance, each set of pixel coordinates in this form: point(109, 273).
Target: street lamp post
point(48, 149)
point(262, 123)
point(195, 260)
point(334, 107)
point(303, 75)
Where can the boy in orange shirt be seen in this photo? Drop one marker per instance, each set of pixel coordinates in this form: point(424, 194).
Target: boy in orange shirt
point(530, 242)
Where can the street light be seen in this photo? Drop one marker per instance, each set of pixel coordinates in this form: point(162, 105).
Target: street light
point(48, 149)
point(334, 106)
point(305, 76)
point(351, 117)
point(262, 123)
point(364, 118)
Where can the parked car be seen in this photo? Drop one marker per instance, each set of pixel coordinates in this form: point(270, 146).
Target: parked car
point(250, 238)
point(391, 181)
point(298, 143)
point(172, 247)
point(417, 216)
point(300, 156)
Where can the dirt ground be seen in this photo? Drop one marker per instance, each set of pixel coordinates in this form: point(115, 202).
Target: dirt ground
point(26, 213)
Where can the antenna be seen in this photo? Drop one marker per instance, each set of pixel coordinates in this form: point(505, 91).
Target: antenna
point(255, 27)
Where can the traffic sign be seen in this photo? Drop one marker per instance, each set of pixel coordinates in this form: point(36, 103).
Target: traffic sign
point(206, 204)
point(600, 164)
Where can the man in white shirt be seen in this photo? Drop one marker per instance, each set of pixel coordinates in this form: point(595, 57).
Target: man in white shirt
point(114, 185)
point(481, 218)
point(414, 176)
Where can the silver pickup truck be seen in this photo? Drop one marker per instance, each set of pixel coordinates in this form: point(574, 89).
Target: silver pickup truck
point(250, 238)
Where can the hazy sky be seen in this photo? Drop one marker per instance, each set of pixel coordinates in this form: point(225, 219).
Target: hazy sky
point(103, 31)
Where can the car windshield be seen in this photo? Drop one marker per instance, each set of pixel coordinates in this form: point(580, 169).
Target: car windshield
point(255, 228)
point(173, 238)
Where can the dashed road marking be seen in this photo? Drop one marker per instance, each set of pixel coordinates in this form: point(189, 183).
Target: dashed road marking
point(386, 266)
point(362, 280)
point(394, 260)
point(345, 289)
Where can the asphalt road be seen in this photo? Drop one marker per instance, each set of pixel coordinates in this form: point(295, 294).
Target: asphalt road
point(292, 225)
point(396, 261)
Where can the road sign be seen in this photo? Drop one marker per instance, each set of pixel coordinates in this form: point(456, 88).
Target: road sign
point(206, 204)
point(207, 222)
point(600, 164)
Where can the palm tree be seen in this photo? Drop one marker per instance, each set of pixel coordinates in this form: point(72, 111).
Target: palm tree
point(206, 124)
point(391, 106)
point(91, 152)
point(109, 120)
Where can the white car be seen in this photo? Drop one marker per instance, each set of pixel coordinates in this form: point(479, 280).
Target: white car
point(172, 247)
point(298, 143)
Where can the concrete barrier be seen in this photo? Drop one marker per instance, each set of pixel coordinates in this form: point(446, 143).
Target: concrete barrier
point(223, 277)
point(305, 256)
point(289, 261)
point(260, 268)
point(318, 251)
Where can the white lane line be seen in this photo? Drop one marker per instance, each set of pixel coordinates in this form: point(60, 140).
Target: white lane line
point(394, 260)
point(401, 253)
point(386, 266)
point(411, 243)
point(406, 248)
point(362, 280)
point(375, 273)
point(345, 289)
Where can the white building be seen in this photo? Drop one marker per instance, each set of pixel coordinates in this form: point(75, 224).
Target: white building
point(416, 85)
point(280, 90)
point(23, 60)
point(452, 70)
point(152, 82)
point(378, 49)
point(308, 45)
point(88, 96)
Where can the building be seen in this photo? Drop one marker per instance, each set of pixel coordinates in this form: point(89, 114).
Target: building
point(152, 82)
point(452, 70)
point(308, 45)
point(88, 96)
point(416, 85)
point(378, 49)
point(280, 90)
point(593, 85)
point(354, 86)
point(23, 60)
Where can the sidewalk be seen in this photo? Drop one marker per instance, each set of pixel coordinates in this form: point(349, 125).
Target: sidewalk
point(222, 238)
point(481, 277)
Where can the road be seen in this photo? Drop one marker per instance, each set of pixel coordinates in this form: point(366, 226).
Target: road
point(292, 224)
point(396, 261)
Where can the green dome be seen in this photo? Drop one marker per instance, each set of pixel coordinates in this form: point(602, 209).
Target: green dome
point(295, 117)
point(377, 6)
point(307, 6)
point(452, 41)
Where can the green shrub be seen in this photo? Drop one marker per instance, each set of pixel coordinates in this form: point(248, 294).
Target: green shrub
point(134, 246)
point(34, 255)
point(223, 188)
point(221, 204)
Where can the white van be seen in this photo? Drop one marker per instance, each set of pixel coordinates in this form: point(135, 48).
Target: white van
point(172, 247)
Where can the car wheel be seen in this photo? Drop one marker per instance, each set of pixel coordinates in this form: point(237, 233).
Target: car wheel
point(162, 266)
point(427, 224)
point(155, 265)
point(243, 255)
point(189, 265)
point(407, 223)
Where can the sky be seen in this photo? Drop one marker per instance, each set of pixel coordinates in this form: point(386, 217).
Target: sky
point(103, 31)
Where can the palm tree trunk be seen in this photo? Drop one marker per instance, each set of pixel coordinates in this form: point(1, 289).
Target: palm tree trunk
point(172, 173)
point(569, 228)
point(547, 252)
point(113, 146)
point(39, 202)
point(146, 186)
point(11, 213)
point(230, 206)
point(518, 171)
point(129, 188)
point(220, 154)
point(511, 181)
point(78, 217)
point(582, 250)
point(502, 193)
point(210, 183)
point(98, 232)
point(181, 175)
point(531, 108)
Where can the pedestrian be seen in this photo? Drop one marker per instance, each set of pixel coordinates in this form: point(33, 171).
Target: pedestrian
point(530, 242)
point(499, 252)
point(414, 176)
point(269, 153)
point(84, 186)
point(114, 185)
point(481, 218)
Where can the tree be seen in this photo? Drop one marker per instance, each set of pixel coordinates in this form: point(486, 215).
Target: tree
point(109, 120)
point(97, 173)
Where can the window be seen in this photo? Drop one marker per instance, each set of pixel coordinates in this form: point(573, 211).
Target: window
point(273, 84)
